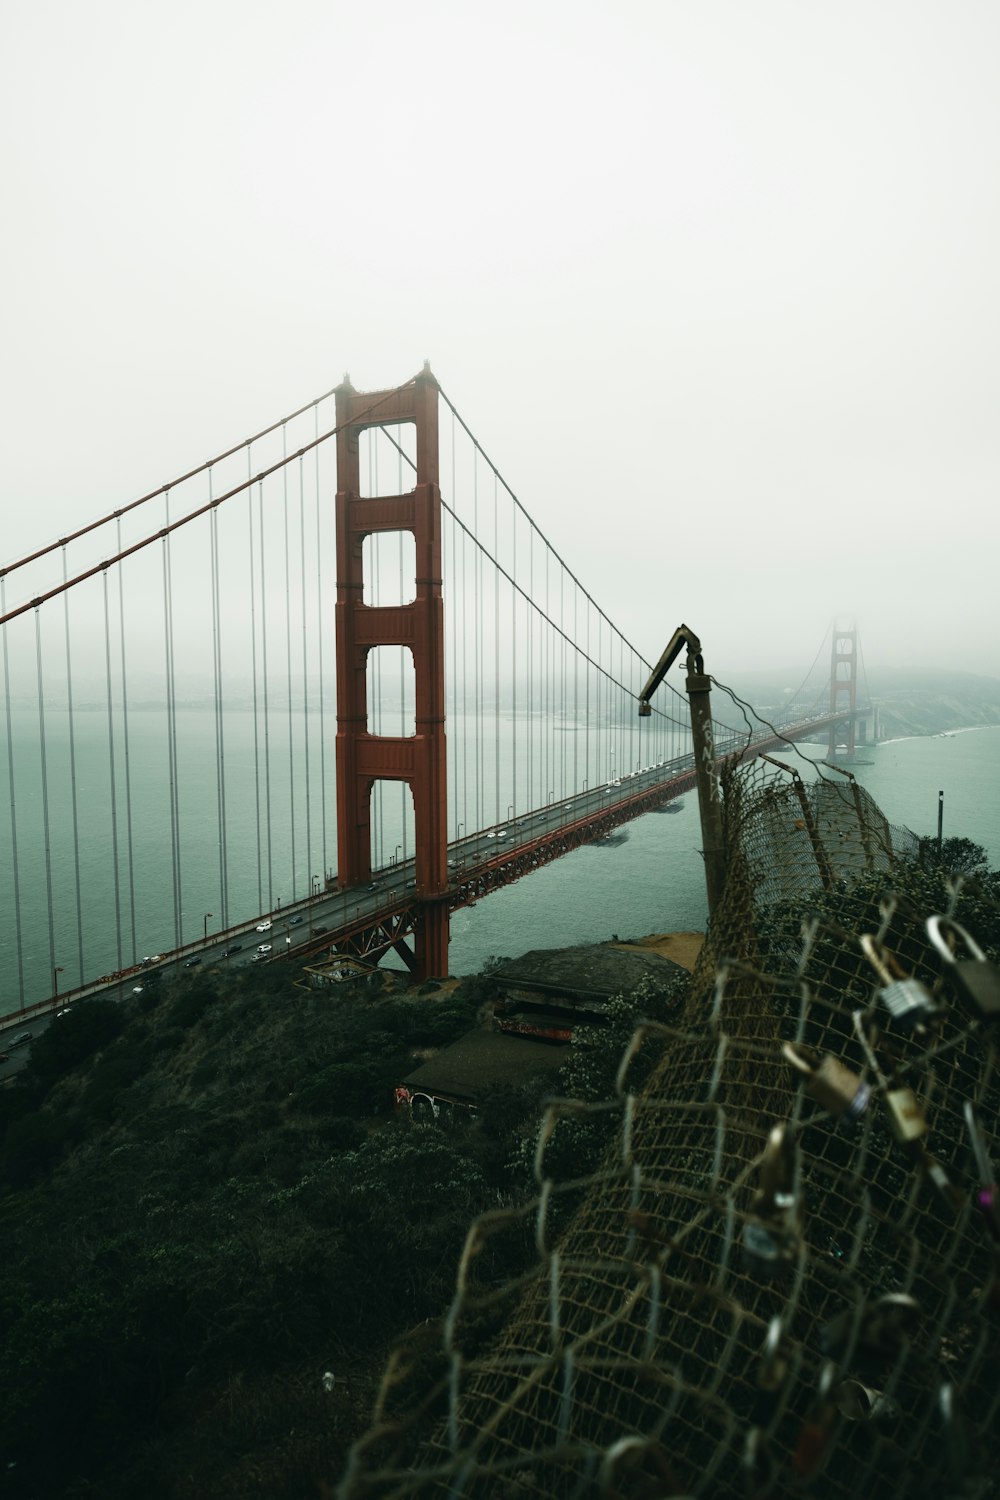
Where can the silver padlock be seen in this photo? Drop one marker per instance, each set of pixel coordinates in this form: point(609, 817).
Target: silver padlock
point(906, 1115)
point(907, 999)
point(977, 979)
point(828, 1081)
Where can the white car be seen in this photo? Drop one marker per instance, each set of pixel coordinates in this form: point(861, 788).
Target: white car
point(264, 948)
point(264, 926)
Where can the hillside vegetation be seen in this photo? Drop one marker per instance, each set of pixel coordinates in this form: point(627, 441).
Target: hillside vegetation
point(208, 1205)
point(213, 1224)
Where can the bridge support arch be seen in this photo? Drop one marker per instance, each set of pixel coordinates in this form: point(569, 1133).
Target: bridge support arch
point(363, 758)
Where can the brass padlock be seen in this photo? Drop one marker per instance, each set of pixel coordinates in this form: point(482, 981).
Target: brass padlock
point(906, 1115)
point(829, 1082)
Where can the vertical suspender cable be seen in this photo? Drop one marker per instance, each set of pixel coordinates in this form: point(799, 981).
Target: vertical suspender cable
point(547, 689)
point(45, 791)
point(16, 871)
point(449, 567)
point(267, 710)
point(374, 667)
point(576, 699)
point(74, 803)
point(253, 672)
point(513, 654)
point(220, 727)
point(168, 634)
point(288, 659)
point(113, 788)
point(306, 727)
point(562, 678)
point(464, 637)
point(320, 626)
point(126, 752)
point(531, 672)
point(477, 566)
point(496, 661)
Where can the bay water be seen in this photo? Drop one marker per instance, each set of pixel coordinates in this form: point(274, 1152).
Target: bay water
point(649, 878)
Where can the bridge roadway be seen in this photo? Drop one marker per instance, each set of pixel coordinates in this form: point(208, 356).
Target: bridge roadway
point(367, 921)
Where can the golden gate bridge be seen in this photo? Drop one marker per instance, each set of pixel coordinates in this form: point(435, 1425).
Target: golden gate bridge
point(334, 683)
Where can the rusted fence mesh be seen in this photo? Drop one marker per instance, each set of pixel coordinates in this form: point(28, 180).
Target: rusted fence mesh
point(779, 1281)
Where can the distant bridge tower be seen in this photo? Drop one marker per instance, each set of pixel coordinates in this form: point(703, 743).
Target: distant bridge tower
point(843, 691)
point(364, 758)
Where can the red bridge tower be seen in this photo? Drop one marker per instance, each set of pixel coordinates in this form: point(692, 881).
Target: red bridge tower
point(843, 691)
point(364, 758)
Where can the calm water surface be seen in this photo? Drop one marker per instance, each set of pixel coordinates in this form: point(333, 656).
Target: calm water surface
point(652, 881)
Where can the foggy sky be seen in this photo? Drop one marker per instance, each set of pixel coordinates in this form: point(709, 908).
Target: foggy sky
point(714, 284)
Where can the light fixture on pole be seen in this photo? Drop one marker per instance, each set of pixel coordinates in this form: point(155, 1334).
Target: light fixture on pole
point(204, 935)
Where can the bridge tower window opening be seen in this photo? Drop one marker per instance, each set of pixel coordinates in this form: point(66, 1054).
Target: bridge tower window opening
point(389, 563)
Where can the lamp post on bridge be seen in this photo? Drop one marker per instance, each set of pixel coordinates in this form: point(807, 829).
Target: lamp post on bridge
point(510, 811)
point(55, 981)
point(204, 933)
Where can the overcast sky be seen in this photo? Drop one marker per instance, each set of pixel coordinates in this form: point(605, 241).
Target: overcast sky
point(715, 284)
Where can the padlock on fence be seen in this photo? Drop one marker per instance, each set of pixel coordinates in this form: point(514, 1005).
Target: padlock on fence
point(829, 1082)
point(907, 999)
point(977, 979)
point(771, 1233)
point(906, 1115)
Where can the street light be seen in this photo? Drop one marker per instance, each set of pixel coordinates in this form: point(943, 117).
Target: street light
point(458, 835)
point(55, 982)
point(510, 811)
point(205, 927)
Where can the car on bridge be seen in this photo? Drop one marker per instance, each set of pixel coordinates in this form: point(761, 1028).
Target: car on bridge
point(189, 963)
point(263, 949)
point(295, 922)
point(264, 926)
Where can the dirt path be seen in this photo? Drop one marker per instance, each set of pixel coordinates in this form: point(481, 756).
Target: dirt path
point(682, 947)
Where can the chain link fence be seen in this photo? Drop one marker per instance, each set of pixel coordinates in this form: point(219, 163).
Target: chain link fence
point(783, 1277)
